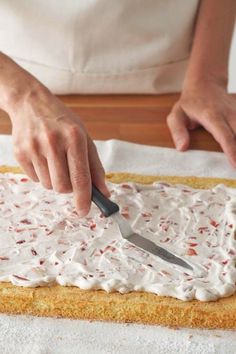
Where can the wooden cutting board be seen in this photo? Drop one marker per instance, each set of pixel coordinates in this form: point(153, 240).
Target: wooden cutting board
point(136, 118)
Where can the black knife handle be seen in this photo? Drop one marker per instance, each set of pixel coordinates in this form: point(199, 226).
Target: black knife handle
point(106, 206)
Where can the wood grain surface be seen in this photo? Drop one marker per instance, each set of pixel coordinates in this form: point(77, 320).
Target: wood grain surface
point(135, 118)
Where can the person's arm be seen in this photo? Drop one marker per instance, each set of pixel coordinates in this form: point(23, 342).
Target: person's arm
point(50, 141)
point(204, 99)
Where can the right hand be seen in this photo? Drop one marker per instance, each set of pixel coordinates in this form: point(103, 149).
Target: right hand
point(53, 147)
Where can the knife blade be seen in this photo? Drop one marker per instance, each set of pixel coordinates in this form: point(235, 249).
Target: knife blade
point(110, 208)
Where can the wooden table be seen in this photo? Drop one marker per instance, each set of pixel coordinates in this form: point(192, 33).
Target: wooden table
point(140, 119)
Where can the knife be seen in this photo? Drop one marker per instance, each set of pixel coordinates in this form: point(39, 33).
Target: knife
point(109, 208)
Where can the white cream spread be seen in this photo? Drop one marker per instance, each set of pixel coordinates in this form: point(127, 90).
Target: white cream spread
point(42, 240)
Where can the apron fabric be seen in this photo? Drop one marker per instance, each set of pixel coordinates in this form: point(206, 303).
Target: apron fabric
point(100, 46)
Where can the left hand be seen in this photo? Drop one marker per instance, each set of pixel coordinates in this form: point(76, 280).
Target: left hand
point(209, 105)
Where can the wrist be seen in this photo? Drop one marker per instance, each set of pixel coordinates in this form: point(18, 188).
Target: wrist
point(205, 72)
point(16, 85)
point(25, 91)
point(204, 79)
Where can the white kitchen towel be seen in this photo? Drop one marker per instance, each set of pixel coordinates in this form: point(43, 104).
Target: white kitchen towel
point(120, 156)
point(27, 334)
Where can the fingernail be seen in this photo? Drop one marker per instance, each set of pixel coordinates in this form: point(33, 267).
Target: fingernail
point(82, 212)
point(107, 192)
point(180, 144)
point(103, 188)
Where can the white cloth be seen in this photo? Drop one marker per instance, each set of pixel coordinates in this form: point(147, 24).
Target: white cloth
point(121, 156)
point(27, 334)
point(100, 46)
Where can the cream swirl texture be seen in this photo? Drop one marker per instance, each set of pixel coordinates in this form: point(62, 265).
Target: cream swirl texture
point(44, 242)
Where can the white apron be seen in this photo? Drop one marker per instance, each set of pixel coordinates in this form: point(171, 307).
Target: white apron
point(100, 46)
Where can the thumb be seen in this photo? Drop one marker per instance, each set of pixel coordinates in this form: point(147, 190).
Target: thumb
point(177, 122)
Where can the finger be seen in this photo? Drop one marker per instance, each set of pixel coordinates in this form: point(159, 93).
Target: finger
point(223, 134)
point(77, 157)
point(59, 171)
point(26, 164)
point(231, 121)
point(96, 168)
point(29, 170)
point(41, 169)
point(177, 122)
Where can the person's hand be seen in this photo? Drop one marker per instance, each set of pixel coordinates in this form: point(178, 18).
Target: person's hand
point(53, 147)
point(207, 104)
